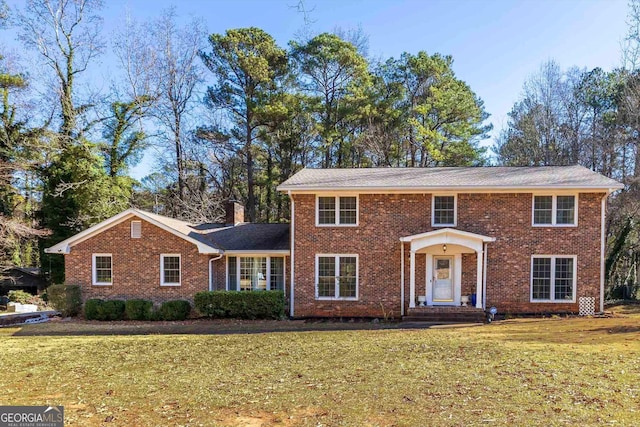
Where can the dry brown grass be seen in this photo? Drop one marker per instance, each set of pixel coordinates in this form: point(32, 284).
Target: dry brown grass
point(517, 372)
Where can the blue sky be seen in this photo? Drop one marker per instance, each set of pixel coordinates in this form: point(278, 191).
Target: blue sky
point(495, 44)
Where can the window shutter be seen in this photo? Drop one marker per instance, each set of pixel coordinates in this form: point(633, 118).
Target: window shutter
point(136, 229)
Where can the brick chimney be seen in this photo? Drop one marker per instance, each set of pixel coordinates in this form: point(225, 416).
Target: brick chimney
point(235, 212)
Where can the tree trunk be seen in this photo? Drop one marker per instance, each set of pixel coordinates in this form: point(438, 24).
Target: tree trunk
point(251, 201)
point(179, 159)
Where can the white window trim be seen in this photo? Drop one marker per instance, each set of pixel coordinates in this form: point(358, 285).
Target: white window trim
point(553, 279)
point(337, 266)
point(433, 210)
point(336, 199)
point(554, 209)
point(94, 272)
point(132, 224)
point(162, 282)
point(268, 257)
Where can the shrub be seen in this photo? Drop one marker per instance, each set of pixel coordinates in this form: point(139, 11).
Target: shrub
point(97, 309)
point(241, 304)
point(175, 310)
point(112, 309)
point(67, 299)
point(20, 296)
point(91, 308)
point(138, 309)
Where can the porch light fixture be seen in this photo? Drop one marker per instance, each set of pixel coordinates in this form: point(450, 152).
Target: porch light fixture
point(444, 248)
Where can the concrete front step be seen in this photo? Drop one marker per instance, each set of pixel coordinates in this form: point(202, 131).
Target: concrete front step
point(478, 316)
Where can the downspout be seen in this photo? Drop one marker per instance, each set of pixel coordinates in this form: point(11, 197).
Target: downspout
point(603, 208)
point(292, 257)
point(211, 270)
point(484, 277)
point(401, 278)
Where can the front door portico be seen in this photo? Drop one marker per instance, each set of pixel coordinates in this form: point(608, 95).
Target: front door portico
point(444, 249)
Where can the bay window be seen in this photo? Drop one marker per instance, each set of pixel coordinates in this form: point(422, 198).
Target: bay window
point(253, 273)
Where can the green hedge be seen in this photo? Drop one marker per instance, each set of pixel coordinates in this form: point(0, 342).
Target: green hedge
point(174, 310)
point(138, 309)
point(241, 304)
point(67, 299)
point(97, 309)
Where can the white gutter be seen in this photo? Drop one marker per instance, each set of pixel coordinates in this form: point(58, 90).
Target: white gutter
point(292, 258)
point(257, 252)
point(484, 277)
point(603, 207)
point(401, 278)
point(211, 270)
point(447, 188)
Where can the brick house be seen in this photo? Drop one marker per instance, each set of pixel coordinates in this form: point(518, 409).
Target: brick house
point(374, 242)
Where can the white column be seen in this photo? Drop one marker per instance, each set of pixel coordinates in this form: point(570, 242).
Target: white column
point(479, 275)
point(412, 281)
point(401, 278)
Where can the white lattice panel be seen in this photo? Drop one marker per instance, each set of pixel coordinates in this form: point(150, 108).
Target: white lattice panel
point(587, 306)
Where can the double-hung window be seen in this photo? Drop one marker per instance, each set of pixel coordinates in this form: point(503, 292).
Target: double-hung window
point(337, 276)
point(102, 274)
point(558, 210)
point(255, 273)
point(553, 278)
point(170, 269)
point(338, 210)
point(444, 211)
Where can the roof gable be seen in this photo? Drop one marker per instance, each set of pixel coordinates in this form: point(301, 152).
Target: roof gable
point(171, 225)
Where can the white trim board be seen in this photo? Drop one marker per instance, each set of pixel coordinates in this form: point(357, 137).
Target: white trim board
point(452, 189)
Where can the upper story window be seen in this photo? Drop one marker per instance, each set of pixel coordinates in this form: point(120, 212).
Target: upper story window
point(555, 210)
point(170, 270)
point(444, 211)
point(102, 274)
point(338, 210)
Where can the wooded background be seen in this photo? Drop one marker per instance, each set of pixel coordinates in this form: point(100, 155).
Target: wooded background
point(232, 115)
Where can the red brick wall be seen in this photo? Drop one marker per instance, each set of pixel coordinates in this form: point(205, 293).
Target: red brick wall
point(469, 274)
point(136, 264)
point(384, 218)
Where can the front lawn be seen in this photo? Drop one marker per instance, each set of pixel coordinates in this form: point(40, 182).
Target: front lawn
point(516, 372)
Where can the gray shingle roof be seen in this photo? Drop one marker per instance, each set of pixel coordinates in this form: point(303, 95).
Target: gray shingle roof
point(241, 237)
point(444, 178)
point(248, 237)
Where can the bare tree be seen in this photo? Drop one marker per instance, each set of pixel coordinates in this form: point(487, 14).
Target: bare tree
point(67, 36)
point(176, 73)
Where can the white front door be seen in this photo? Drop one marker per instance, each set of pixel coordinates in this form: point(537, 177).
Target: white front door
point(443, 291)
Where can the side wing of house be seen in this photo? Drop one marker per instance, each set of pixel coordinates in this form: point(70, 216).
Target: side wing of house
point(137, 254)
point(134, 256)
